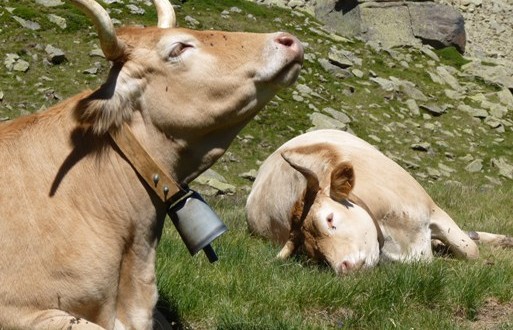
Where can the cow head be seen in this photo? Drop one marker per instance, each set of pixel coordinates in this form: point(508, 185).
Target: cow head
point(195, 89)
point(326, 224)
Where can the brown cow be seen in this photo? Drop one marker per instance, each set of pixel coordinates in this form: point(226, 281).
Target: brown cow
point(79, 223)
point(340, 200)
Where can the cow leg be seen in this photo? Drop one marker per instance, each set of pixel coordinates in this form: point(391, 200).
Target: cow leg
point(18, 318)
point(137, 292)
point(443, 228)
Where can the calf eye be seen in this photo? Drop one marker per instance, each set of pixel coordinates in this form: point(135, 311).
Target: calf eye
point(329, 219)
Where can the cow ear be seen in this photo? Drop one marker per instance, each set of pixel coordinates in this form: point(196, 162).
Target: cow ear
point(342, 181)
point(110, 105)
point(296, 160)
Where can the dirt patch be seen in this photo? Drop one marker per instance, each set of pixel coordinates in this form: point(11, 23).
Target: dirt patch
point(330, 317)
point(493, 315)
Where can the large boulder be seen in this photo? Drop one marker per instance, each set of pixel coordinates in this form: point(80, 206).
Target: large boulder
point(395, 23)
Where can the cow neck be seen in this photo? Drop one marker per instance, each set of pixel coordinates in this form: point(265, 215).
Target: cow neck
point(356, 200)
point(148, 168)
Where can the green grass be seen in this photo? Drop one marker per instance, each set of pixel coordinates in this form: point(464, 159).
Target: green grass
point(248, 288)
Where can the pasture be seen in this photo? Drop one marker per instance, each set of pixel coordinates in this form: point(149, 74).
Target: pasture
point(247, 288)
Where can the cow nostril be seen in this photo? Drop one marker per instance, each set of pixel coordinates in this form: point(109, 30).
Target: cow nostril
point(345, 267)
point(285, 40)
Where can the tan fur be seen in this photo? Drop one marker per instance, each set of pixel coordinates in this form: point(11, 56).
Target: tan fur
point(78, 227)
point(407, 217)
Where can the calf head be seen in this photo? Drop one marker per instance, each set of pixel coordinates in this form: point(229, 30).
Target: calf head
point(197, 88)
point(326, 224)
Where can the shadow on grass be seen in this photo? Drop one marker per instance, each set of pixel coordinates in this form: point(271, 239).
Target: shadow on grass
point(169, 318)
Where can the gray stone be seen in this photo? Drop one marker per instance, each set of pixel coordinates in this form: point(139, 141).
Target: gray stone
point(413, 107)
point(321, 121)
point(338, 115)
point(505, 168)
point(50, 3)
point(421, 146)
point(59, 21)
point(54, 54)
point(506, 98)
point(409, 89)
point(395, 23)
point(474, 166)
point(250, 175)
point(448, 78)
point(134, 10)
point(428, 52)
point(478, 113)
point(385, 84)
point(433, 109)
point(27, 24)
point(191, 21)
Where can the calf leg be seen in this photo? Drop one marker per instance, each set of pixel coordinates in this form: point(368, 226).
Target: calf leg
point(491, 239)
point(443, 228)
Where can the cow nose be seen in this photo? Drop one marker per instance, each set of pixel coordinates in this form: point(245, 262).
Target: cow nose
point(345, 267)
point(291, 42)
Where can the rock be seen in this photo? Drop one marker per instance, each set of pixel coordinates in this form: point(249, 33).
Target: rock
point(55, 55)
point(385, 84)
point(409, 89)
point(422, 146)
point(50, 3)
point(338, 115)
point(191, 21)
point(505, 168)
point(478, 113)
point(449, 79)
point(395, 23)
point(474, 166)
point(250, 175)
point(497, 74)
point(428, 52)
point(134, 10)
point(1, 96)
point(506, 98)
point(14, 63)
point(59, 21)
point(413, 107)
point(215, 181)
point(433, 109)
point(321, 121)
point(333, 69)
point(27, 24)
point(96, 52)
point(221, 187)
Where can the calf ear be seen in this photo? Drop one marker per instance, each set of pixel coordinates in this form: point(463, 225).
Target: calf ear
point(342, 181)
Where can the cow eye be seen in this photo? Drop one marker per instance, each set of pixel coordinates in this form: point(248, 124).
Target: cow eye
point(178, 49)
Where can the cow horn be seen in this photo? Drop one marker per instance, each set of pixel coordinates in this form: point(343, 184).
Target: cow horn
point(312, 181)
point(166, 14)
point(112, 48)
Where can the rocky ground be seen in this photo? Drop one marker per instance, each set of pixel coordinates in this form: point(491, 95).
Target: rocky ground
point(488, 24)
point(489, 27)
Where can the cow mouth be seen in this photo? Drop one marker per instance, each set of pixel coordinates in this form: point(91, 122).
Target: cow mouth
point(288, 74)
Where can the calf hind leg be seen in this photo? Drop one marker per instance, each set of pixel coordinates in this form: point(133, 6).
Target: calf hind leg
point(492, 239)
point(458, 243)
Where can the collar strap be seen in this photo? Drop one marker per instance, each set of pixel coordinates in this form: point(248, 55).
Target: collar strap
point(156, 178)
